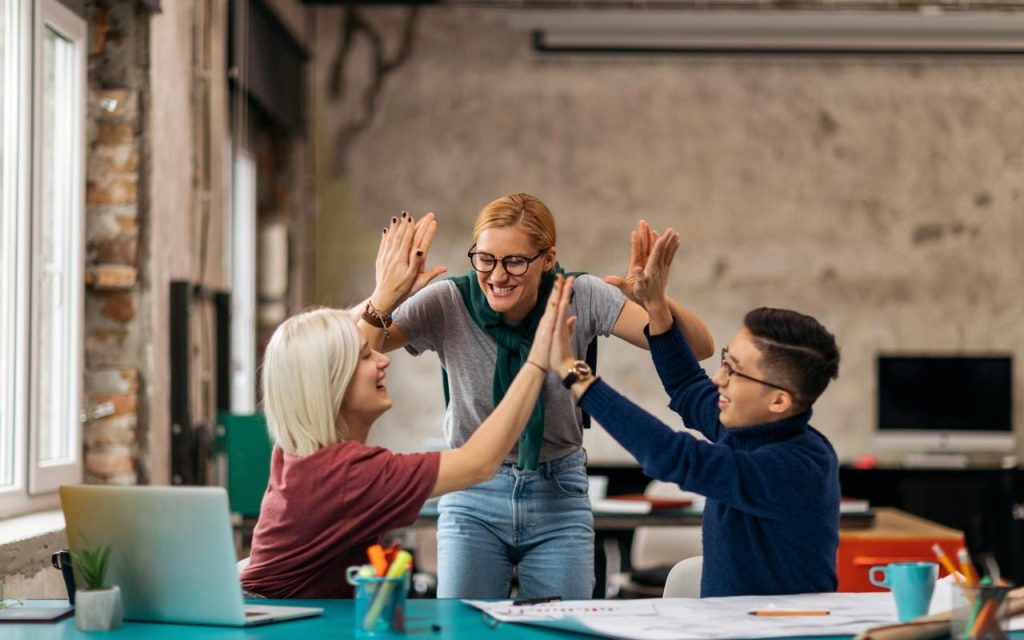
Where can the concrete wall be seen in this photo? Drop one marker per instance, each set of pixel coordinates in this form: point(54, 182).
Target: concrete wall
point(882, 196)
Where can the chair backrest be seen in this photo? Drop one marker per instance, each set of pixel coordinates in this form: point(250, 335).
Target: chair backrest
point(656, 546)
point(684, 578)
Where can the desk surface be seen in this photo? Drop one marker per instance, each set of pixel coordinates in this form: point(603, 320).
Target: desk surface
point(457, 621)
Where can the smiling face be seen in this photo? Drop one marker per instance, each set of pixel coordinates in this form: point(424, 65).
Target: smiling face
point(512, 296)
point(744, 402)
point(366, 397)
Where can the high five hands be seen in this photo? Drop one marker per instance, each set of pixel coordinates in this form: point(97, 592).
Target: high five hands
point(401, 258)
point(650, 255)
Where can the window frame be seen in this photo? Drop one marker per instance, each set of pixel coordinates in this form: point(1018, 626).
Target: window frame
point(34, 484)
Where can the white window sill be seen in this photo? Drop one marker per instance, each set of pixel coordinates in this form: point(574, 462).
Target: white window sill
point(27, 542)
point(33, 525)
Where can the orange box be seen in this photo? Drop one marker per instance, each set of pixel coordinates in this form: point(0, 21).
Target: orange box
point(896, 536)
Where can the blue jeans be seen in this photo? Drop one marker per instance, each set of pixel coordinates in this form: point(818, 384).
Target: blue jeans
point(538, 523)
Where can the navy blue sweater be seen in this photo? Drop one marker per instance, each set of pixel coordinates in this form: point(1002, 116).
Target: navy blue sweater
point(771, 521)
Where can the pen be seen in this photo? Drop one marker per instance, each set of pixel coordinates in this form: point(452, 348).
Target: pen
point(519, 603)
point(788, 612)
point(397, 569)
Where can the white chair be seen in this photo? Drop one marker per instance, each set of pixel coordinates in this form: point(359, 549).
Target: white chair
point(656, 549)
point(684, 578)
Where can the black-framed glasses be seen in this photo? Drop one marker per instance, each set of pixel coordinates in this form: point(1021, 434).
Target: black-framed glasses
point(513, 265)
point(730, 372)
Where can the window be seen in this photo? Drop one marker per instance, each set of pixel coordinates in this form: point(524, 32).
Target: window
point(42, 211)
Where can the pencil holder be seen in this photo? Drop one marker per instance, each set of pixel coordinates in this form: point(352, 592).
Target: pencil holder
point(380, 605)
point(985, 615)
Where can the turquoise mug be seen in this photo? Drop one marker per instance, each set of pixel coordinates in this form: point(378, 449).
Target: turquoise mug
point(911, 584)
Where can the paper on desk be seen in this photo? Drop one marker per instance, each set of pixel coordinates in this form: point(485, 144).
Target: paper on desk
point(704, 619)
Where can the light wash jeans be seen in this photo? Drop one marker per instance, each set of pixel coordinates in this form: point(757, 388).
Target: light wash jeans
point(537, 522)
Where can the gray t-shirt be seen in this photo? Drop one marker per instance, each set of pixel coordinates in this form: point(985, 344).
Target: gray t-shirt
point(436, 319)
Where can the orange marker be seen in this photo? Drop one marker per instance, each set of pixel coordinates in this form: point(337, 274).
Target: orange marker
point(376, 555)
point(946, 563)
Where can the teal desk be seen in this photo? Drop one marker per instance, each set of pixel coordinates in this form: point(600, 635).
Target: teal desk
point(458, 622)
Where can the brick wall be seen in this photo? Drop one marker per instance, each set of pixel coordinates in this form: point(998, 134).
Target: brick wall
point(113, 326)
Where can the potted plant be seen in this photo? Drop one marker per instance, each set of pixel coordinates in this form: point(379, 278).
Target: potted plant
point(97, 606)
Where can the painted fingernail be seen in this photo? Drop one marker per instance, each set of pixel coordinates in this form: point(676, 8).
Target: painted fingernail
point(419, 253)
point(385, 229)
point(404, 214)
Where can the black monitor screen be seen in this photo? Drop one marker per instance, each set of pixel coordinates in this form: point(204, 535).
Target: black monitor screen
point(945, 393)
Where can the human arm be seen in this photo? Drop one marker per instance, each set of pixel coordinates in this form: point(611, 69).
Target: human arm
point(400, 274)
point(478, 459)
point(760, 482)
point(634, 316)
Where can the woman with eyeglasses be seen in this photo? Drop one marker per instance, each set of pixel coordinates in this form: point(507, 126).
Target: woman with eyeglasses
point(534, 517)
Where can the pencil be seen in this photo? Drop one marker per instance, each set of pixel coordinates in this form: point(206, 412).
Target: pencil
point(946, 563)
point(966, 568)
point(788, 612)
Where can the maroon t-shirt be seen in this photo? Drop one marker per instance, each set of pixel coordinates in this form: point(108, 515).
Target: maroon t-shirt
point(322, 511)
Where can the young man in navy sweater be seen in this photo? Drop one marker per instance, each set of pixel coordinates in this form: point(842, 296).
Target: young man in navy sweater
point(771, 520)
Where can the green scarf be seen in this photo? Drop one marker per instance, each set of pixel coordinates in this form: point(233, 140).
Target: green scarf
point(514, 344)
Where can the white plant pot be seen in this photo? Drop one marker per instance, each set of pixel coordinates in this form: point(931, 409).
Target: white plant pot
point(98, 609)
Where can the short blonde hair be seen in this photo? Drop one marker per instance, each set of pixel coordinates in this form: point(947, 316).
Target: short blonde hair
point(306, 368)
point(519, 209)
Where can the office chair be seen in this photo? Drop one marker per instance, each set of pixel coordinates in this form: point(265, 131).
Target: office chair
point(656, 550)
point(684, 578)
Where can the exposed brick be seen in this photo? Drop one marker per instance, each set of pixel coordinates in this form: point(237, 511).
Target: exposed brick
point(113, 431)
point(124, 479)
point(115, 104)
point(115, 133)
point(124, 403)
point(115, 191)
point(99, 32)
point(110, 161)
point(109, 461)
point(119, 307)
point(100, 342)
point(111, 219)
point(118, 249)
point(112, 381)
point(112, 276)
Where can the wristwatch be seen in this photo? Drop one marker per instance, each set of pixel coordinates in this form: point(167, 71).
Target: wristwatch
point(579, 371)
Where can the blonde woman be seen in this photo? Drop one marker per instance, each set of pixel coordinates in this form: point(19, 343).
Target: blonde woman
point(331, 495)
point(534, 517)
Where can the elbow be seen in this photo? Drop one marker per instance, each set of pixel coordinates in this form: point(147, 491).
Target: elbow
point(706, 348)
point(486, 471)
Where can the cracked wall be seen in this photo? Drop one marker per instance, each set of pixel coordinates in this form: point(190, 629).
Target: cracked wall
point(881, 195)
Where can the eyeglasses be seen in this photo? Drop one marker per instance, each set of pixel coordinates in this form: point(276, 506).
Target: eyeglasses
point(730, 372)
point(513, 265)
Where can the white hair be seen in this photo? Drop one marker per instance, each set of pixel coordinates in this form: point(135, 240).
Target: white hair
point(306, 369)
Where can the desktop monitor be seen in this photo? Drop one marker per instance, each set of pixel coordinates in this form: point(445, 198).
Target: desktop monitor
point(945, 403)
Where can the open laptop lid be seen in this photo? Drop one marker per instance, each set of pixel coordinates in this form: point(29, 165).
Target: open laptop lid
point(172, 552)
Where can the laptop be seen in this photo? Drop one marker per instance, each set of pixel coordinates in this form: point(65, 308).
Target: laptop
point(172, 553)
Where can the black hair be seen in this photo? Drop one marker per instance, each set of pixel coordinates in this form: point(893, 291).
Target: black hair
point(796, 351)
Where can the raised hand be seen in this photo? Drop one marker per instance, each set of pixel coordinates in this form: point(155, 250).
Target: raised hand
point(562, 354)
point(547, 330)
point(426, 227)
point(650, 281)
point(640, 242)
point(400, 259)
